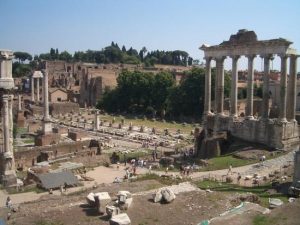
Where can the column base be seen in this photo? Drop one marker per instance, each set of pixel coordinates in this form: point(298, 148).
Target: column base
point(282, 120)
point(249, 117)
point(9, 178)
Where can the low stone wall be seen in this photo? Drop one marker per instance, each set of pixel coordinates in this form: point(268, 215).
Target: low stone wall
point(25, 157)
point(63, 108)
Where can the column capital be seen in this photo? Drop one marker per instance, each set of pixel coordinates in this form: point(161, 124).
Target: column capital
point(235, 57)
point(251, 56)
point(267, 56)
point(207, 58)
point(220, 58)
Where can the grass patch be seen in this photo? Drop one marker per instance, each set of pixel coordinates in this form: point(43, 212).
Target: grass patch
point(28, 141)
point(223, 162)
point(186, 128)
point(260, 220)
point(260, 191)
point(46, 222)
point(163, 180)
point(26, 189)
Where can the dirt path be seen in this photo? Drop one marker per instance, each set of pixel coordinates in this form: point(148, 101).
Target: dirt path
point(107, 175)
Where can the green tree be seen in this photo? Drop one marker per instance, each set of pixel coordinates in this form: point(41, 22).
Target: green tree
point(22, 56)
point(66, 56)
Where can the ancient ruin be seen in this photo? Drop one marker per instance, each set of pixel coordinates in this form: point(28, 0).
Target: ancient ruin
point(7, 161)
point(279, 133)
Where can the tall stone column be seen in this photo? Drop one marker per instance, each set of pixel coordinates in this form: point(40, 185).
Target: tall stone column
point(283, 86)
point(292, 87)
point(5, 123)
point(207, 102)
point(32, 88)
point(19, 102)
point(265, 103)
point(38, 89)
point(234, 80)
point(220, 85)
point(47, 126)
point(96, 123)
point(8, 174)
point(250, 79)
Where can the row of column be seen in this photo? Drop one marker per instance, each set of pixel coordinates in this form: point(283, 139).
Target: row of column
point(286, 97)
point(37, 87)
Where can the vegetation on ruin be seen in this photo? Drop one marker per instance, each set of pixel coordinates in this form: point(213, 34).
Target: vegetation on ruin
point(158, 96)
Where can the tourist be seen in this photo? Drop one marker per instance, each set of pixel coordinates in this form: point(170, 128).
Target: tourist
point(167, 169)
point(150, 168)
point(239, 177)
point(8, 202)
point(65, 187)
point(229, 169)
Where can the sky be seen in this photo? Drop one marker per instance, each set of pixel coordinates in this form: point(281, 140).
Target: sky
point(35, 26)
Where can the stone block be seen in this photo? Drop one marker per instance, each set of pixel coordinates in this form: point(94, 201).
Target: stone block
point(120, 219)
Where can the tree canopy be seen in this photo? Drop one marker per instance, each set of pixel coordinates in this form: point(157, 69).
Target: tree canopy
point(114, 54)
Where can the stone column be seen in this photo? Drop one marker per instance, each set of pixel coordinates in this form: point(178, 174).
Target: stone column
point(292, 88)
point(250, 77)
point(265, 103)
point(283, 86)
point(38, 89)
point(207, 102)
point(46, 99)
point(19, 102)
point(47, 126)
point(32, 88)
point(5, 123)
point(220, 85)
point(8, 174)
point(234, 80)
point(96, 123)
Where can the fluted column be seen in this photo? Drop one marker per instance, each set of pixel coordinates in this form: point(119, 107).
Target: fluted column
point(283, 86)
point(32, 88)
point(250, 77)
point(220, 85)
point(292, 88)
point(207, 100)
point(265, 103)
point(38, 89)
point(234, 80)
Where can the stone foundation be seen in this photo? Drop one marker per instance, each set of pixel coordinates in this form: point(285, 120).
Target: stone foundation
point(270, 132)
point(47, 139)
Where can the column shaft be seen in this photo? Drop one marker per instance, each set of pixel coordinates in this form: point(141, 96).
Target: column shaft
point(250, 78)
point(265, 103)
point(220, 85)
point(234, 80)
point(292, 88)
point(46, 100)
point(19, 102)
point(38, 90)
point(283, 86)
point(207, 100)
point(5, 122)
point(32, 89)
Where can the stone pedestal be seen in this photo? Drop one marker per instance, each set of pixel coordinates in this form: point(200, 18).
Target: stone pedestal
point(47, 139)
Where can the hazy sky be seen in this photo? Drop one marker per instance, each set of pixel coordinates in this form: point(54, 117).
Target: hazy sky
point(35, 26)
